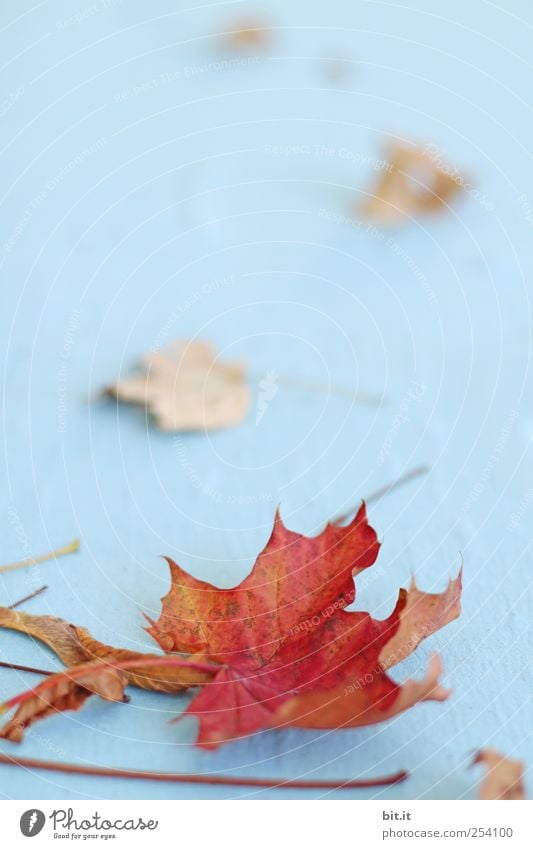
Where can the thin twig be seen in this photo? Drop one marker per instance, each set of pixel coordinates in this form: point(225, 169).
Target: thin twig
point(5, 665)
point(332, 389)
point(184, 778)
point(326, 388)
point(378, 494)
point(27, 598)
point(42, 558)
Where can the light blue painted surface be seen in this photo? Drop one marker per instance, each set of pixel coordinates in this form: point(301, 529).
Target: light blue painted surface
point(174, 191)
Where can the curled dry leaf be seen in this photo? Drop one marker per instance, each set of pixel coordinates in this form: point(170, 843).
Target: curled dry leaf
point(413, 183)
point(62, 692)
point(75, 646)
point(68, 690)
point(185, 388)
point(504, 778)
point(290, 653)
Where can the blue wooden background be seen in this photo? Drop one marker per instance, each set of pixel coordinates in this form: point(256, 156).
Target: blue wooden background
point(152, 189)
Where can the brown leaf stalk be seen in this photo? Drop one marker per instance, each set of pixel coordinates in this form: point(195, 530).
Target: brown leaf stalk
point(378, 494)
point(185, 778)
point(27, 598)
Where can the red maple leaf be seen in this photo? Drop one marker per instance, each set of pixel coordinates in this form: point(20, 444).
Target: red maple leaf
point(278, 650)
point(289, 652)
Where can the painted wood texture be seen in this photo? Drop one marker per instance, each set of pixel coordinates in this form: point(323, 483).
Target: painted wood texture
point(154, 187)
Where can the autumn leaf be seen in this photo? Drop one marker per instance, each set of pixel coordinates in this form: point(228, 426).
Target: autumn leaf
point(278, 650)
point(290, 653)
point(75, 646)
point(414, 183)
point(185, 387)
point(247, 36)
point(62, 692)
point(504, 778)
point(422, 615)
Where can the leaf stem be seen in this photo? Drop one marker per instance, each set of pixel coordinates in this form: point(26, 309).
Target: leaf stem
point(5, 665)
point(42, 558)
point(378, 494)
point(326, 388)
point(27, 598)
point(185, 778)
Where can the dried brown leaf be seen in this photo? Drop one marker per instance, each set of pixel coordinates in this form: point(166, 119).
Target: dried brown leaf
point(504, 778)
point(74, 646)
point(60, 692)
point(186, 388)
point(414, 183)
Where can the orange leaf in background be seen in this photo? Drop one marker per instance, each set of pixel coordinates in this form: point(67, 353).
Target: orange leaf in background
point(414, 183)
point(185, 387)
point(290, 653)
point(247, 36)
point(504, 778)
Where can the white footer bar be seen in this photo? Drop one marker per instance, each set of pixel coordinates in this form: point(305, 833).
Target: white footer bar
point(257, 825)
